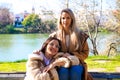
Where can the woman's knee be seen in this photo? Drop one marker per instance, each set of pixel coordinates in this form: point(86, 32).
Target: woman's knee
point(76, 72)
point(63, 73)
point(76, 68)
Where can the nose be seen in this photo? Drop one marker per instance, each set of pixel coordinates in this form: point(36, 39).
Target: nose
point(54, 46)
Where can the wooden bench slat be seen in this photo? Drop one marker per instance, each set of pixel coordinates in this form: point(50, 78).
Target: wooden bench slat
point(105, 75)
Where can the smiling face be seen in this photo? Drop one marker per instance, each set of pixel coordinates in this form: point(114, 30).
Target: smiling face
point(66, 21)
point(52, 48)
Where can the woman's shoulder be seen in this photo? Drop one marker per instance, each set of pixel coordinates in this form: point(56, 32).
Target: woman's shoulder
point(34, 56)
point(83, 34)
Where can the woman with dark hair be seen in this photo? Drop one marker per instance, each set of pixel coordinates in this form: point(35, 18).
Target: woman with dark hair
point(39, 61)
point(42, 64)
point(73, 42)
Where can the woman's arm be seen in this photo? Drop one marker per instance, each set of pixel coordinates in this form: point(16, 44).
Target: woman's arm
point(35, 69)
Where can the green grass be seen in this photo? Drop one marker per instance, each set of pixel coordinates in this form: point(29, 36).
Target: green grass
point(109, 64)
point(18, 66)
point(94, 62)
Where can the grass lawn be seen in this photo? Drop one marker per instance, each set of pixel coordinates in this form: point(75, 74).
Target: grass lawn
point(99, 63)
point(18, 66)
point(104, 63)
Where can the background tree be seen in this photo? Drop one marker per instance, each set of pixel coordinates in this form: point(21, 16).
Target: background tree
point(115, 42)
point(31, 23)
point(92, 18)
point(116, 14)
point(5, 18)
point(49, 26)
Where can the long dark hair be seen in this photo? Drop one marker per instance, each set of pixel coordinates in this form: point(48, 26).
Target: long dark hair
point(43, 49)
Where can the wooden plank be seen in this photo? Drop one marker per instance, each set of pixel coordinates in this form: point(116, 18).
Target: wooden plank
point(99, 75)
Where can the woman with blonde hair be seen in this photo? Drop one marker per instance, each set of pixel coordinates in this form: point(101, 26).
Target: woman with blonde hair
point(74, 42)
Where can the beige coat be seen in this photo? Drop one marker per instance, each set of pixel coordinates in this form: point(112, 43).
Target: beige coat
point(35, 67)
point(82, 53)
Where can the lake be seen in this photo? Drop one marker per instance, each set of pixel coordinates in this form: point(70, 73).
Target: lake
point(18, 46)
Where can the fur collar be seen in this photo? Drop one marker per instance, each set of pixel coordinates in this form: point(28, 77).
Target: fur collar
point(35, 56)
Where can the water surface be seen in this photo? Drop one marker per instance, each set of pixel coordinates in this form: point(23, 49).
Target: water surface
point(17, 46)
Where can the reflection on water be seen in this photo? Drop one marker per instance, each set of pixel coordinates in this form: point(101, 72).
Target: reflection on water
point(18, 46)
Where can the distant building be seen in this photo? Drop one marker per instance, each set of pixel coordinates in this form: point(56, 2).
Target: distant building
point(43, 14)
point(19, 18)
point(33, 10)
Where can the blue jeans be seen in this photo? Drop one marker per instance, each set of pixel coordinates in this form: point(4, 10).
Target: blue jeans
point(72, 73)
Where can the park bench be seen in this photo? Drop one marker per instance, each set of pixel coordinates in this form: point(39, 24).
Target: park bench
point(104, 75)
point(95, 75)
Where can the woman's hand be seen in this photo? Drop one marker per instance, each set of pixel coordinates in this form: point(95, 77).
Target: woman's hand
point(53, 65)
point(49, 67)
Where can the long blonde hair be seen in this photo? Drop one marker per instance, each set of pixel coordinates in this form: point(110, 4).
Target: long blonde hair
point(73, 29)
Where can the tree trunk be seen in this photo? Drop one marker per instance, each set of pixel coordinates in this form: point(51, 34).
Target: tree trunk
point(95, 52)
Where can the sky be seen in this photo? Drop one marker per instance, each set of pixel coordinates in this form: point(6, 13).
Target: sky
point(18, 6)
